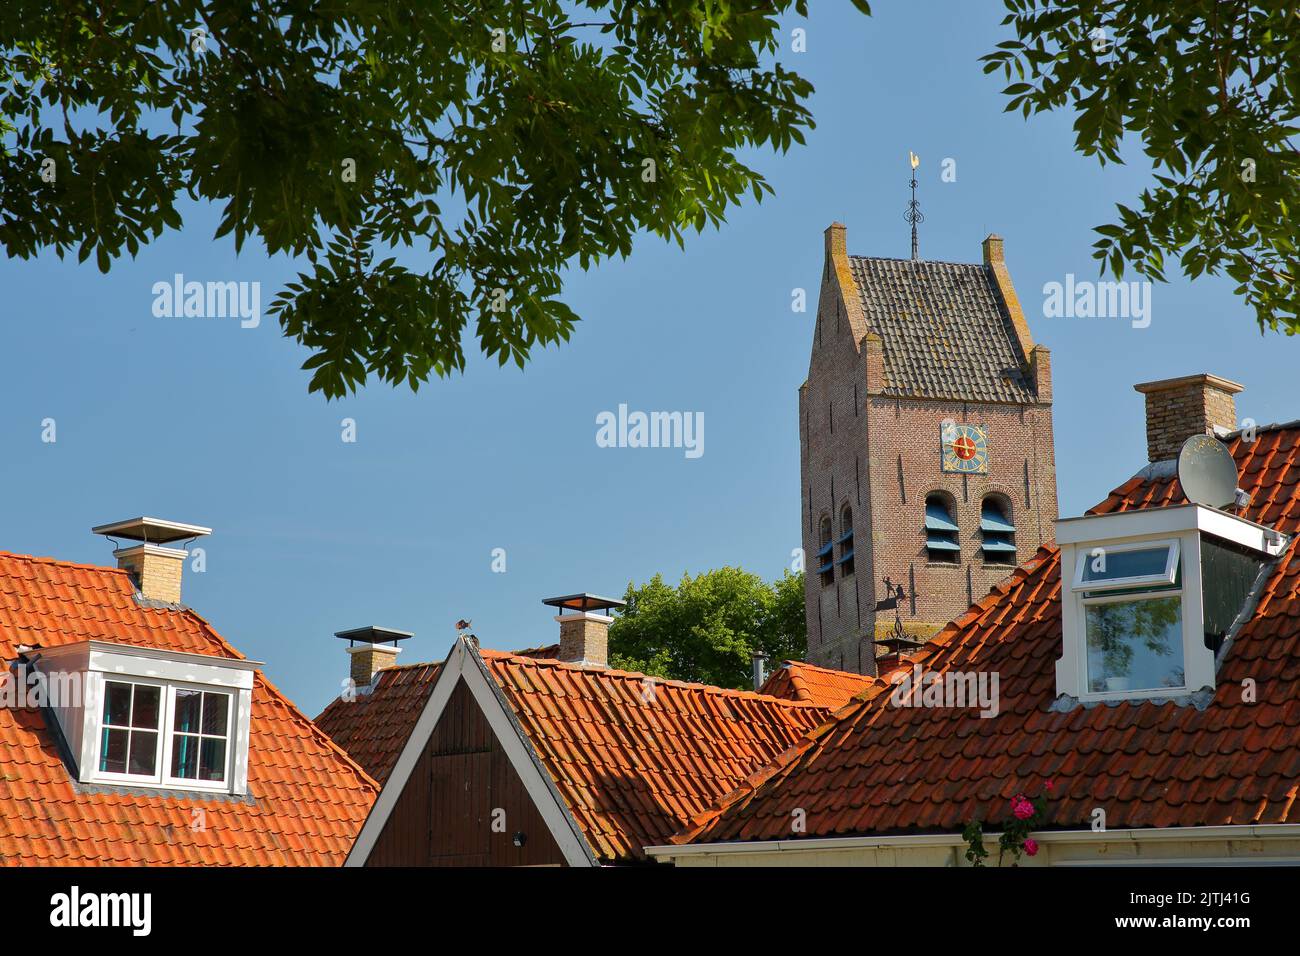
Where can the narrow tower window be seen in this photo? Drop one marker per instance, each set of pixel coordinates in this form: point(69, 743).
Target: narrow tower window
point(846, 542)
point(998, 534)
point(825, 560)
point(941, 529)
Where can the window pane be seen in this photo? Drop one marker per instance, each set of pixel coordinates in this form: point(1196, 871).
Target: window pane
point(1126, 564)
point(145, 712)
point(1135, 645)
point(144, 753)
point(117, 705)
point(214, 714)
point(185, 756)
point(112, 750)
point(212, 762)
point(187, 711)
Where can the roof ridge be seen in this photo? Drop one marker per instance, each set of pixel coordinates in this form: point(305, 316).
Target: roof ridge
point(60, 562)
point(1271, 427)
point(922, 261)
point(826, 670)
point(507, 657)
point(411, 666)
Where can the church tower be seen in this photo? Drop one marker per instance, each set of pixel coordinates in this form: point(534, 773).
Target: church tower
point(926, 455)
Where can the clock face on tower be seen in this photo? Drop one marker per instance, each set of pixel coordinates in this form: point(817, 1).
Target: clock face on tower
point(965, 449)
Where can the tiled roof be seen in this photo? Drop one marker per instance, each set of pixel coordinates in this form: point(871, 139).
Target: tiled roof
point(633, 757)
point(547, 651)
point(306, 799)
point(373, 727)
point(796, 680)
point(945, 329)
point(877, 769)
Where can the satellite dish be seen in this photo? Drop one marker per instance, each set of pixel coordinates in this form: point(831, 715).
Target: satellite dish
point(1207, 472)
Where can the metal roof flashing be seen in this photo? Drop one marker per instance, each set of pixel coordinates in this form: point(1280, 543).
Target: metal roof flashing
point(1119, 525)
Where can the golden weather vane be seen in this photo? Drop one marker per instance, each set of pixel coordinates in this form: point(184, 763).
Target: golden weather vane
point(913, 214)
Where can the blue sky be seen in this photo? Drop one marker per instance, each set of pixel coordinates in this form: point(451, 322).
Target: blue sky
point(200, 420)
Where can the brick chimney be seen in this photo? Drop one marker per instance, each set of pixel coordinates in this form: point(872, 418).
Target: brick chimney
point(155, 570)
point(584, 630)
point(1178, 408)
point(377, 650)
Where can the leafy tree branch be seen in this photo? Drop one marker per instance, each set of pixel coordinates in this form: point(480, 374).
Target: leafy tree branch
point(1208, 90)
point(500, 142)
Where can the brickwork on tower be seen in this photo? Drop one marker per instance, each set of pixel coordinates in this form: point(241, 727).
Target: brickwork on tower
point(926, 400)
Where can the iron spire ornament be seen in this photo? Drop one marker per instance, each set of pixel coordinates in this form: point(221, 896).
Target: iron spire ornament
point(897, 640)
point(913, 214)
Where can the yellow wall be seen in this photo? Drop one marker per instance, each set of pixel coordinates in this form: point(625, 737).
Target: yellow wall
point(1054, 850)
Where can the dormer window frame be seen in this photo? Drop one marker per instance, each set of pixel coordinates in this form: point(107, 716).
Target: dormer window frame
point(167, 734)
point(96, 664)
point(1163, 579)
point(1181, 529)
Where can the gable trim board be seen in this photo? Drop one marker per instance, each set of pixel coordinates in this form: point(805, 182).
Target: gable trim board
point(1233, 844)
point(464, 663)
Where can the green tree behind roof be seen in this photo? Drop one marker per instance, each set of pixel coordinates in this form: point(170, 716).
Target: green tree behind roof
point(707, 627)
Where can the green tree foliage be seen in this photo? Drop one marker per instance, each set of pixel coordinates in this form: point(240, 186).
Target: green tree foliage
point(1209, 88)
point(501, 140)
point(707, 628)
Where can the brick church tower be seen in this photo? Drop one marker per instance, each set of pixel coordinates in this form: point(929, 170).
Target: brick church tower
point(925, 433)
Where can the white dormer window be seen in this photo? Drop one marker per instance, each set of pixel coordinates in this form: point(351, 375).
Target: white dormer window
point(1132, 616)
point(200, 739)
point(157, 733)
point(152, 718)
point(1121, 566)
point(1149, 597)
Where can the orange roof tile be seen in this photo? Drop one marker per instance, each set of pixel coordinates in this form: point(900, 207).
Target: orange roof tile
point(797, 680)
point(876, 769)
point(374, 726)
point(546, 651)
point(634, 758)
point(306, 799)
point(639, 756)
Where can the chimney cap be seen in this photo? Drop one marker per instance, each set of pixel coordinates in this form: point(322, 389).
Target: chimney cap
point(373, 634)
point(1201, 378)
point(151, 530)
point(583, 602)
